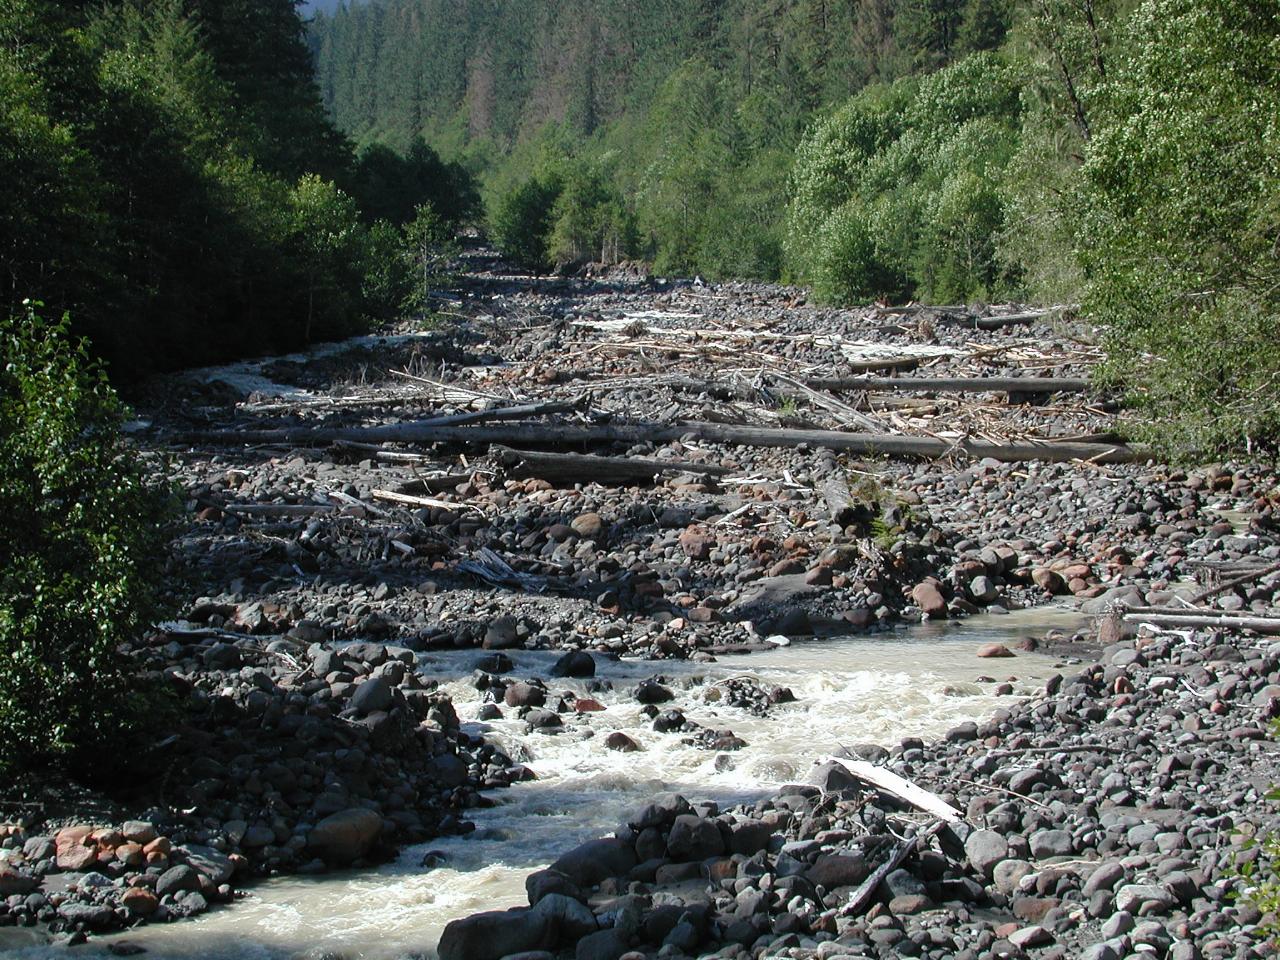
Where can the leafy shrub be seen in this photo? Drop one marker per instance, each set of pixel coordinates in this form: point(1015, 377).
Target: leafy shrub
point(898, 192)
point(1181, 231)
point(81, 548)
point(523, 218)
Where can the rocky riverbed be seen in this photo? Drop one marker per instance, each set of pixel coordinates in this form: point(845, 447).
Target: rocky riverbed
point(324, 564)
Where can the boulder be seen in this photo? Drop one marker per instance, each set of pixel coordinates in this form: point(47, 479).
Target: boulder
point(208, 862)
point(833, 870)
point(346, 836)
point(596, 860)
point(374, 695)
point(140, 901)
point(91, 916)
point(589, 526)
point(76, 851)
point(650, 691)
point(693, 838)
point(575, 663)
point(621, 742)
point(556, 920)
point(139, 831)
point(928, 597)
point(13, 882)
point(176, 879)
point(994, 651)
point(608, 944)
point(502, 634)
point(524, 695)
point(984, 849)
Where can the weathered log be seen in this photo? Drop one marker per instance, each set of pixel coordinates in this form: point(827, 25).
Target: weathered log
point(584, 468)
point(863, 894)
point(953, 384)
point(559, 435)
point(278, 509)
point(1268, 626)
point(1244, 578)
point(841, 507)
point(885, 780)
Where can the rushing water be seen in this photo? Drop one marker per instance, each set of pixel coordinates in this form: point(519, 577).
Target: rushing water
point(851, 690)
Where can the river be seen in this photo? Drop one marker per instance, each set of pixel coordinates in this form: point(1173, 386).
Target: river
point(917, 681)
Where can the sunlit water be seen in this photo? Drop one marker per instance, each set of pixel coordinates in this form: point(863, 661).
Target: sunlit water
point(916, 682)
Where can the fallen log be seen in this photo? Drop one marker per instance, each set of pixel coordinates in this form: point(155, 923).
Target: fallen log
point(900, 853)
point(1268, 626)
point(1244, 578)
point(953, 384)
point(278, 509)
point(559, 435)
point(585, 468)
point(884, 779)
point(841, 507)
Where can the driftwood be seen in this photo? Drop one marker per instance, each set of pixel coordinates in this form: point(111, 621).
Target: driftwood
point(1015, 385)
point(583, 468)
point(1256, 574)
point(409, 500)
point(1269, 626)
point(994, 323)
point(884, 779)
point(841, 507)
point(277, 509)
point(548, 434)
point(866, 890)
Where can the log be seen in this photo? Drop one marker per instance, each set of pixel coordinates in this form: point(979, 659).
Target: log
point(584, 468)
point(882, 778)
point(841, 507)
point(560, 435)
point(869, 886)
point(1256, 574)
point(953, 384)
point(277, 509)
point(1268, 626)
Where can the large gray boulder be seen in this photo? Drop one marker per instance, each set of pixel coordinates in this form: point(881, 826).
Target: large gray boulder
point(345, 836)
point(693, 838)
point(596, 860)
point(557, 920)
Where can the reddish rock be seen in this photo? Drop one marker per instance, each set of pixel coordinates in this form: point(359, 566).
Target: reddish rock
point(929, 599)
point(1077, 571)
point(75, 849)
point(589, 526)
point(1049, 581)
point(587, 705)
point(988, 650)
point(140, 901)
point(818, 577)
point(621, 742)
point(785, 568)
point(131, 854)
point(700, 615)
point(697, 543)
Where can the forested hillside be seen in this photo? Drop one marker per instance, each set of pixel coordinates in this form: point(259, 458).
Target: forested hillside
point(1120, 154)
point(171, 180)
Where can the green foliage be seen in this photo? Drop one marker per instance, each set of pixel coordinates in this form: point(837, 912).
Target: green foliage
point(899, 192)
point(172, 181)
point(1181, 227)
point(522, 220)
point(82, 541)
point(427, 247)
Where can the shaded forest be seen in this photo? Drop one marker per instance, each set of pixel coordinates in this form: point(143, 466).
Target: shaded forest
point(172, 181)
point(1119, 155)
